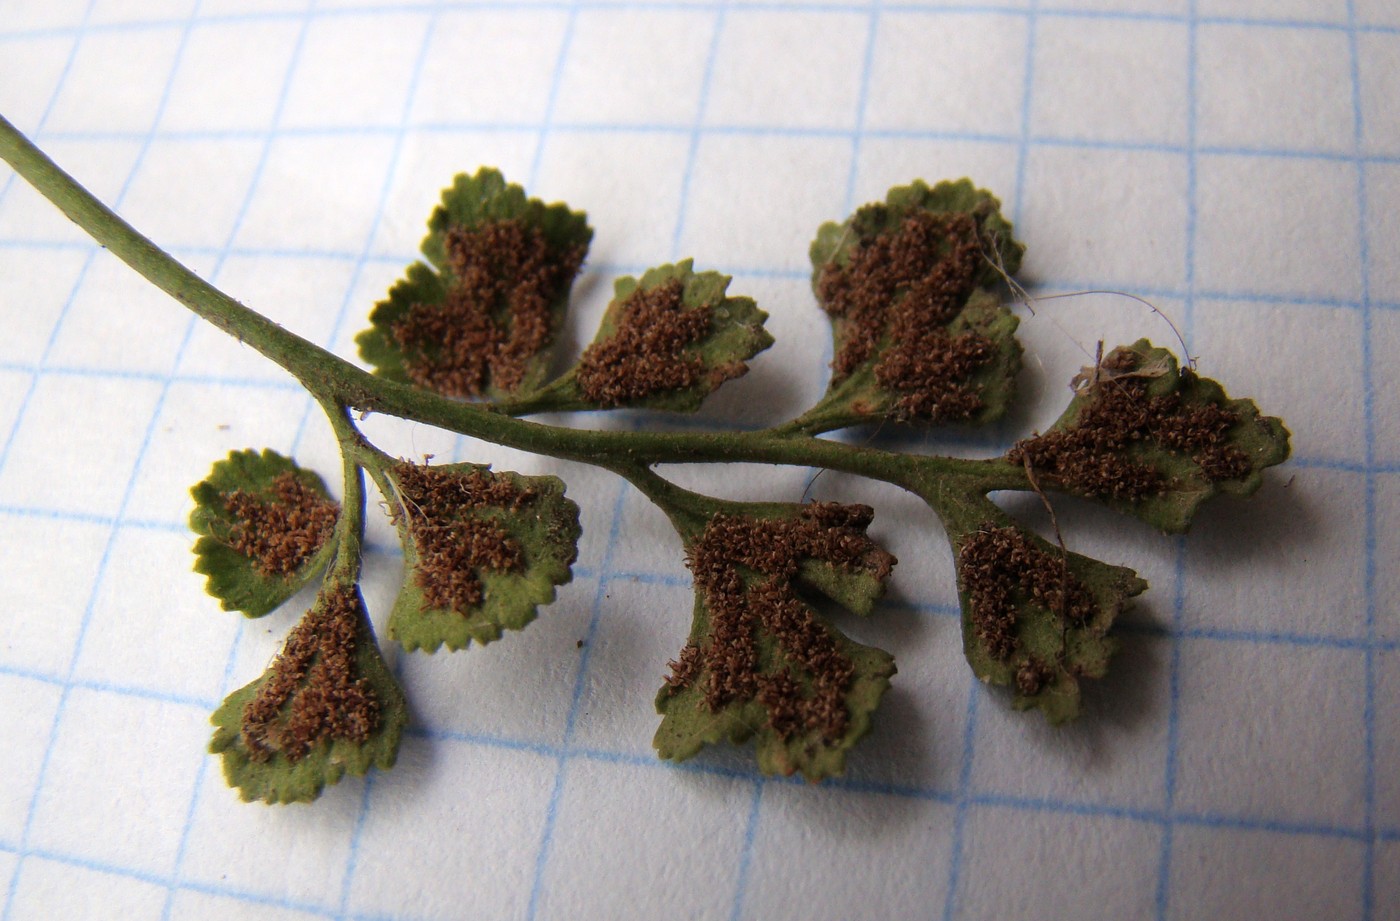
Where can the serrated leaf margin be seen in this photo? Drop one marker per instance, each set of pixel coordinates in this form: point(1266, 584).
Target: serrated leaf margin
point(279, 780)
point(230, 576)
point(416, 626)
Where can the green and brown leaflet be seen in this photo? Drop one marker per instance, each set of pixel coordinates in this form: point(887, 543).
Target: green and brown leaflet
point(465, 341)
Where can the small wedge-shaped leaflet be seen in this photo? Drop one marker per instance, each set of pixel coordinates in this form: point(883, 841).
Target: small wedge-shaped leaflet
point(667, 341)
point(482, 551)
point(480, 320)
point(760, 662)
point(920, 334)
point(265, 526)
point(1035, 617)
point(326, 707)
point(1152, 440)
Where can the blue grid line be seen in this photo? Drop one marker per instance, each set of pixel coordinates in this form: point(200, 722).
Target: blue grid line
point(696, 129)
point(963, 799)
point(182, 848)
point(932, 608)
point(552, 100)
point(97, 28)
point(1294, 25)
point(133, 476)
point(362, 819)
point(542, 131)
point(1258, 637)
point(498, 6)
point(175, 527)
point(1206, 294)
point(581, 127)
point(221, 261)
point(157, 879)
point(106, 687)
point(631, 759)
point(1069, 807)
point(746, 849)
point(1088, 285)
point(19, 511)
point(1178, 616)
point(639, 577)
point(395, 157)
point(1274, 826)
point(1053, 805)
point(1284, 153)
point(352, 860)
point(250, 897)
point(994, 800)
point(859, 130)
point(123, 374)
point(965, 792)
point(1372, 531)
point(671, 579)
point(726, 129)
point(580, 685)
point(54, 332)
point(610, 269)
point(485, 740)
point(1126, 629)
point(62, 81)
point(1169, 770)
point(1343, 466)
point(1368, 466)
point(542, 854)
point(857, 134)
point(1167, 820)
point(1021, 804)
point(362, 258)
point(1368, 883)
point(701, 765)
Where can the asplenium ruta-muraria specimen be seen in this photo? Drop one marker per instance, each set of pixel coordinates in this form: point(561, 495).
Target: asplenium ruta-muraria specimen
point(465, 341)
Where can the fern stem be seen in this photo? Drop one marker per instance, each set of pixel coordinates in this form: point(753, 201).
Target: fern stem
point(334, 381)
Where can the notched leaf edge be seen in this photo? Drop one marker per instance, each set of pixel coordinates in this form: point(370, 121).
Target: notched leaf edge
point(920, 333)
point(479, 317)
point(1153, 440)
point(667, 341)
point(327, 706)
point(264, 526)
point(761, 663)
point(1036, 618)
point(482, 551)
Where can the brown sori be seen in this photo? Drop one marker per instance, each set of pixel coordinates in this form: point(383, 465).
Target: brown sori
point(744, 568)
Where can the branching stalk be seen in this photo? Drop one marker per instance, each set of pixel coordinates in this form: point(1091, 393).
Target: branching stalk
point(333, 380)
point(921, 335)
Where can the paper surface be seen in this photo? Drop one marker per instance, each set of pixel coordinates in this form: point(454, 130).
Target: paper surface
point(1237, 162)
